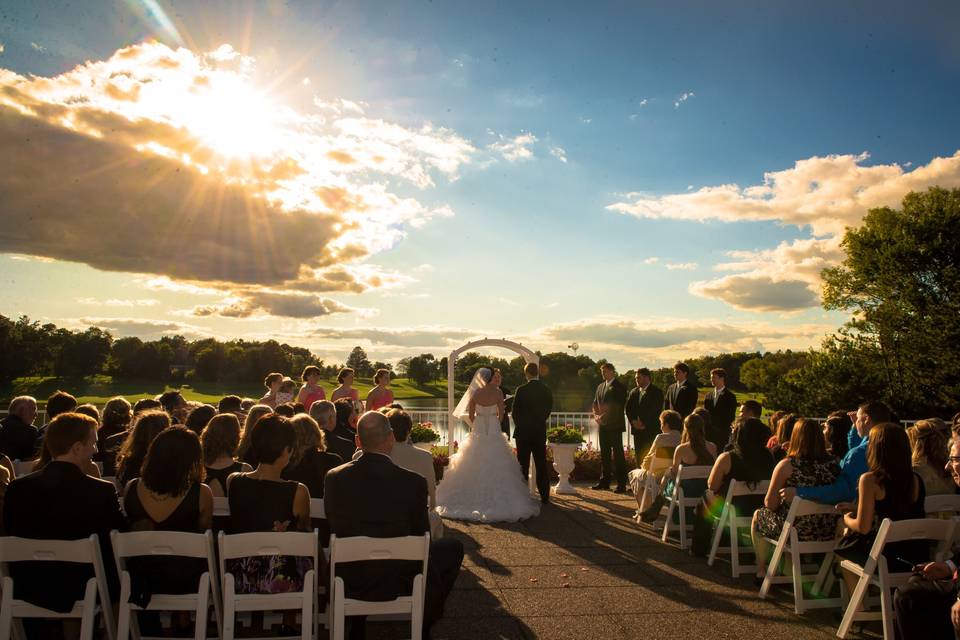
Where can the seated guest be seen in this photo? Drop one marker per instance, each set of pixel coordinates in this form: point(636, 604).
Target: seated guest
point(889, 489)
point(175, 405)
point(244, 451)
point(409, 457)
point(18, 436)
point(310, 461)
point(261, 500)
point(645, 481)
point(929, 454)
point(115, 419)
point(694, 450)
point(852, 466)
point(372, 496)
point(326, 415)
point(272, 383)
point(380, 396)
point(220, 439)
point(749, 409)
point(143, 404)
point(927, 606)
point(89, 467)
point(342, 440)
point(774, 422)
point(91, 410)
point(169, 495)
point(199, 416)
point(749, 461)
point(808, 464)
point(58, 402)
point(230, 404)
point(246, 404)
point(146, 427)
point(311, 391)
point(781, 441)
point(60, 502)
point(836, 433)
point(287, 409)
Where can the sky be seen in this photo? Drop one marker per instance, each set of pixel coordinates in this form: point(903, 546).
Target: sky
point(647, 180)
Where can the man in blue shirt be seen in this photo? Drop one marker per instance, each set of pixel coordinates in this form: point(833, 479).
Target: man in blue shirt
point(853, 465)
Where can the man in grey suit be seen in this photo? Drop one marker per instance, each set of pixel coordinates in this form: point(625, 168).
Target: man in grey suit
point(532, 404)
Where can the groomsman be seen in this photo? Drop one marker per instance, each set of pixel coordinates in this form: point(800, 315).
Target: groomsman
point(722, 405)
point(608, 410)
point(643, 408)
point(681, 395)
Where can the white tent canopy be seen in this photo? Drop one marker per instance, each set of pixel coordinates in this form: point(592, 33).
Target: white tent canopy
point(524, 352)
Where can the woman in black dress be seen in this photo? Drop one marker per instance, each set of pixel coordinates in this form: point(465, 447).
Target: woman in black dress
point(262, 501)
point(147, 426)
point(220, 439)
point(169, 495)
point(311, 460)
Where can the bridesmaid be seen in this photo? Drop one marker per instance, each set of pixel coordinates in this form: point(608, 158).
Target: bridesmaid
point(380, 396)
point(345, 391)
point(310, 392)
point(272, 383)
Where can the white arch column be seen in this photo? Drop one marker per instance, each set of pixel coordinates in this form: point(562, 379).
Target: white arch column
point(527, 354)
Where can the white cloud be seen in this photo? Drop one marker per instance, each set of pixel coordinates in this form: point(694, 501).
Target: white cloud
point(117, 302)
point(585, 120)
point(37, 47)
point(681, 266)
point(140, 327)
point(683, 97)
point(514, 149)
point(559, 153)
point(643, 103)
point(650, 260)
point(2, 47)
point(825, 194)
point(273, 303)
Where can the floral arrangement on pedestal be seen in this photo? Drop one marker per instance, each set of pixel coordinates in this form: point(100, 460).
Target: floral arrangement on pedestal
point(567, 434)
point(423, 433)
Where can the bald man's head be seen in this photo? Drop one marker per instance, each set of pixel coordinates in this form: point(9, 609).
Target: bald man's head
point(374, 433)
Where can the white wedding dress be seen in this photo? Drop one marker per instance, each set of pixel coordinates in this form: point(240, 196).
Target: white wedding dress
point(484, 482)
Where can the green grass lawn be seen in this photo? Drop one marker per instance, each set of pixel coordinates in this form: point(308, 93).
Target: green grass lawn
point(99, 389)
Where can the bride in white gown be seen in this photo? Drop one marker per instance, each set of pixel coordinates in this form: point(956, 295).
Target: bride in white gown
point(483, 481)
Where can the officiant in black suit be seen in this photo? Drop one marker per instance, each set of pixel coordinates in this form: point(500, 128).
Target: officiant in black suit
point(507, 402)
point(643, 408)
point(722, 405)
point(608, 406)
point(532, 405)
point(681, 396)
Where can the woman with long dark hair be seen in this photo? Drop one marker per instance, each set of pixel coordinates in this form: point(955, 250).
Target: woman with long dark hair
point(220, 439)
point(147, 426)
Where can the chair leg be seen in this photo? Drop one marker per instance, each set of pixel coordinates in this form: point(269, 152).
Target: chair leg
point(821, 586)
point(337, 618)
point(856, 598)
point(734, 544)
point(724, 514)
point(203, 607)
point(798, 604)
point(6, 609)
point(773, 564)
point(89, 619)
point(682, 517)
point(416, 616)
point(306, 610)
point(229, 614)
point(123, 615)
point(886, 612)
point(666, 525)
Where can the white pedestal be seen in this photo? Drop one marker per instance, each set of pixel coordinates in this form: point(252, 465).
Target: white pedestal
point(563, 463)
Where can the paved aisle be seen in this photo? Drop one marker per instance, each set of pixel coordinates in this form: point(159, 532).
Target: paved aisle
point(583, 569)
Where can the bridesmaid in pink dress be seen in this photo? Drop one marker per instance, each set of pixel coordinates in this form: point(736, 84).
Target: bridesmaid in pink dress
point(346, 391)
point(380, 396)
point(310, 392)
point(272, 383)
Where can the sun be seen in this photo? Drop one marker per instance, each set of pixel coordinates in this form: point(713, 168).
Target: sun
point(234, 118)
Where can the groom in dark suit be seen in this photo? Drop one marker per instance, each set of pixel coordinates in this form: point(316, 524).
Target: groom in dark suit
point(532, 404)
point(608, 406)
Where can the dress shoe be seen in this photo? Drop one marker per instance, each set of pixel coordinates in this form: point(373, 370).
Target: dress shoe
point(600, 486)
point(620, 489)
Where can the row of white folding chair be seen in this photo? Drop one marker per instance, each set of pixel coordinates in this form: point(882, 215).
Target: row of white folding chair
point(789, 543)
point(174, 544)
point(876, 573)
point(362, 548)
point(679, 502)
point(96, 599)
point(733, 522)
point(946, 504)
point(221, 508)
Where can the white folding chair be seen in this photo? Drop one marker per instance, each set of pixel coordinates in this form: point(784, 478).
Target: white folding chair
point(947, 504)
point(680, 502)
point(270, 543)
point(789, 543)
point(876, 573)
point(85, 551)
point(23, 467)
point(221, 507)
point(734, 523)
point(641, 487)
point(360, 548)
point(167, 543)
point(317, 511)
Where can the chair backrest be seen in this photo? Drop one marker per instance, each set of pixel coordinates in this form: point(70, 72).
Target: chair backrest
point(917, 529)
point(27, 549)
point(693, 472)
point(947, 503)
point(800, 507)
point(23, 467)
point(360, 548)
point(743, 488)
point(221, 507)
point(267, 543)
point(317, 511)
point(161, 543)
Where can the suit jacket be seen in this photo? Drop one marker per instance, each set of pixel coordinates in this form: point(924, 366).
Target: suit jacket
point(18, 440)
point(615, 397)
point(508, 406)
point(372, 496)
point(409, 457)
point(646, 408)
point(681, 397)
point(60, 502)
point(532, 405)
point(341, 442)
point(723, 411)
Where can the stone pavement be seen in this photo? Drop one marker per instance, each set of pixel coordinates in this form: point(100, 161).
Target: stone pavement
point(584, 569)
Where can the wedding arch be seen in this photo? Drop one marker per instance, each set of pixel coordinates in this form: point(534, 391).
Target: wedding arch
point(527, 354)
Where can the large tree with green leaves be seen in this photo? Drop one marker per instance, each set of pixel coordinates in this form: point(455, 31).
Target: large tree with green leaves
point(901, 281)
